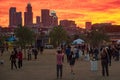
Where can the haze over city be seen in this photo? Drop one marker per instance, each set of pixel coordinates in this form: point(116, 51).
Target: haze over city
point(95, 11)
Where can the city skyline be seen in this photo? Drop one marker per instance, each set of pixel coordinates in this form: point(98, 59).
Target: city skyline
point(95, 11)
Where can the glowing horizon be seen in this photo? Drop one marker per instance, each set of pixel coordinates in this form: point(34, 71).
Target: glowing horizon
point(95, 11)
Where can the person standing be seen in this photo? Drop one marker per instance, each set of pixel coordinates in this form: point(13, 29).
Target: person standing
point(29, 53)
point(13, 60)
point(15, 51)
point(96, 52)
point(59, 59)
point(72, 58)
point(105, 62)
point(20, 57)
point(68, 51)
point(35, 52)
point(109, 50)
point(2, 50)
point(41, 49)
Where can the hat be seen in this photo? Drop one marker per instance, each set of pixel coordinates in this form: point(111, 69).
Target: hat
point(59, 49)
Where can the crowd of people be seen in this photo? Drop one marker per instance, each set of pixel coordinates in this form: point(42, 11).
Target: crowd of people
point(17, 56)
point(73, 53)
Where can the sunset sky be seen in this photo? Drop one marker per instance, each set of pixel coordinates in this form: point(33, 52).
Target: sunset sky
point(96, 11)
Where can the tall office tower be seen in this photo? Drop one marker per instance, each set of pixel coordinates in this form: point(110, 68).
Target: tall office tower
point(12, 16)
point(37, 19)
point(53, 19)
point(18, 18)
point(28, 15)
point(45, 17)
point(88, 25)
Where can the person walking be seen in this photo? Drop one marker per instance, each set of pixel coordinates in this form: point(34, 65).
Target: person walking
point(105, 62)
point(20, 58)
point(13, 60)
point(68, 51)
point(96, 52)
point(109, 50)
point(35, 53)
point(29, 53)
point(41, 49)
point(59, 58)
point(72, 58)
point(2, 50)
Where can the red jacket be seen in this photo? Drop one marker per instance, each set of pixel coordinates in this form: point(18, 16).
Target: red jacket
point(20, 55)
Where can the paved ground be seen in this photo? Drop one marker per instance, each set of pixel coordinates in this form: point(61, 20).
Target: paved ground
point(45, 69)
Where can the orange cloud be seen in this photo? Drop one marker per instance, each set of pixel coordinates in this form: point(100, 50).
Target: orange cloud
point(79, 10)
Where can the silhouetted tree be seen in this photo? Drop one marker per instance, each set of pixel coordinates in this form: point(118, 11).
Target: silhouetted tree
point(58, 35)
point(25, 36)
point(95, 37)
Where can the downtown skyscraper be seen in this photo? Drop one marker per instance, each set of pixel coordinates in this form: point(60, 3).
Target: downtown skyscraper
point(49, 18)
point(28, 15)
point(15, 18)
point(45, 17)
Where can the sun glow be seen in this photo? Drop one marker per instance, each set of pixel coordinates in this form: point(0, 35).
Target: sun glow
point(96, 11)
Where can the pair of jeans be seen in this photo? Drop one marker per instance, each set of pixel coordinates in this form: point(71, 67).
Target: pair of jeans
point(29, 56)
point(13, 63)
point(105, 68)
point(59, 71)
point(20, 63)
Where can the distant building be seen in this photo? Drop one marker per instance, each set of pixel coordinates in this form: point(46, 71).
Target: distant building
point(99, 25)
point(18, 18)
point(12, 16)
point(88, 25)
point(15, 18)
point(113, 31)
point(45, 17)
point(53, 19)
point(28, 15)
point(69, 26)
point(67, 23)
point(37, 19)
point(7, 31)
point(49, 18)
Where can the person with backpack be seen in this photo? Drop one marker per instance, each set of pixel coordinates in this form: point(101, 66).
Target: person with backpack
point(105, 62)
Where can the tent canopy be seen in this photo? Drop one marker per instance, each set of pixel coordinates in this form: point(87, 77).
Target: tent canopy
point(11, 38)
point(78, 41)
